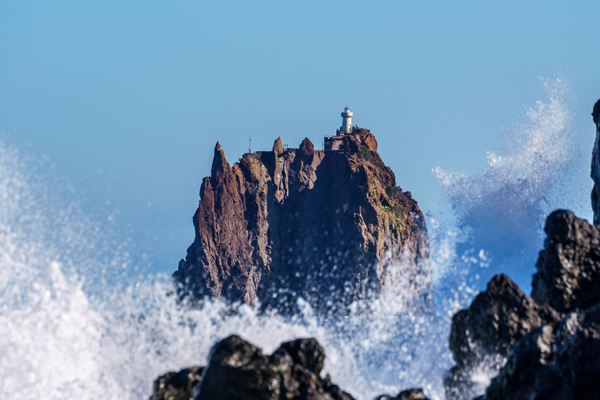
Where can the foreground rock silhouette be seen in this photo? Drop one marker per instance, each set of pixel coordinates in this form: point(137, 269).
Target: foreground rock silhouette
point(484, 334)
point(410, 394)
point(546, 346)
point(237, 370)
point(568, 269)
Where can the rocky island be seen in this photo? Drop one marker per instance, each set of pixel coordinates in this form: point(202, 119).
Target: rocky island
point(323, 225)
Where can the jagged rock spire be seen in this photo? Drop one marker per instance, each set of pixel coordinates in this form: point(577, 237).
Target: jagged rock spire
point(220, 164)
point(278, 147)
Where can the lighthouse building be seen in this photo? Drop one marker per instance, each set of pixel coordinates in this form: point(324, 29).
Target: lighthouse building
point(346, 121)
point(338, 142)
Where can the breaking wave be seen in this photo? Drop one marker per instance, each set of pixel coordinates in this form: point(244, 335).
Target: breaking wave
point(499, 213)
point(75, 324)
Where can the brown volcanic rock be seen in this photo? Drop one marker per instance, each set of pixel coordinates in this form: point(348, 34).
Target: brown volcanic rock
point(308, 223)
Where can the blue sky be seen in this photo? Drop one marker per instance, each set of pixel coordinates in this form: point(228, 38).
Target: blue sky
point(127, 99)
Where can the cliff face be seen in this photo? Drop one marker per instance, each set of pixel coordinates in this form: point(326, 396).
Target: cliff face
point(323, 225)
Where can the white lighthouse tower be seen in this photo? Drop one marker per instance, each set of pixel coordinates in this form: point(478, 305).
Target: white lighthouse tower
point(346, 121)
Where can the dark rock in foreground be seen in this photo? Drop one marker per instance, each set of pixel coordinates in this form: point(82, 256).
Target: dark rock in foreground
point(559, 363)
point(238, 370)
point(529, 372)
point(549, 354)
point(177, 385)
point(306, 352)
point(410, 394)
point(579, 357)
point(484, 333)
point(568, 269)
point(496, 319)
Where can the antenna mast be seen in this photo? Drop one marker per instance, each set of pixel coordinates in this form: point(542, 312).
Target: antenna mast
point(250, 143)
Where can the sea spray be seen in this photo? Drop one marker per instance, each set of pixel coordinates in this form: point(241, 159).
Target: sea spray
point(500, 212)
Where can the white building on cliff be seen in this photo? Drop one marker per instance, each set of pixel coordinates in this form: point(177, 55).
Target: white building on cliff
point(346, 121)
point(337, 142)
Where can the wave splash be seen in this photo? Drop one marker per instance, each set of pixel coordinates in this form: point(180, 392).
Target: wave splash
point(500, 212)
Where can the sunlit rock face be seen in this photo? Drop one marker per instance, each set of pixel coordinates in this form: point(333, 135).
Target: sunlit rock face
point(331, 227)
point(596, 166)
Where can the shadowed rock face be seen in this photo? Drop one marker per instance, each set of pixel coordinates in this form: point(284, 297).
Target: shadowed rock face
point(579, 356)
point(496, 319)
point(529, 372)
point(568, 269)
point(559, 362)
point(410, 394)
point(308, 223)
point(238, 370)
point(483, 334)
point(177, 385)
point(549, 354)
point(307, 352)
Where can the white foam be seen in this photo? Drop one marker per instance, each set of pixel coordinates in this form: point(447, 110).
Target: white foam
point(502, 210)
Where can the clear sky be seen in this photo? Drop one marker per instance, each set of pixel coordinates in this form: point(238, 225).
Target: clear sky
point(128, 98)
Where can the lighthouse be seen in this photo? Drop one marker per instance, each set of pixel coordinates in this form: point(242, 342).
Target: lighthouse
point(338, 142)
point(346, 121)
